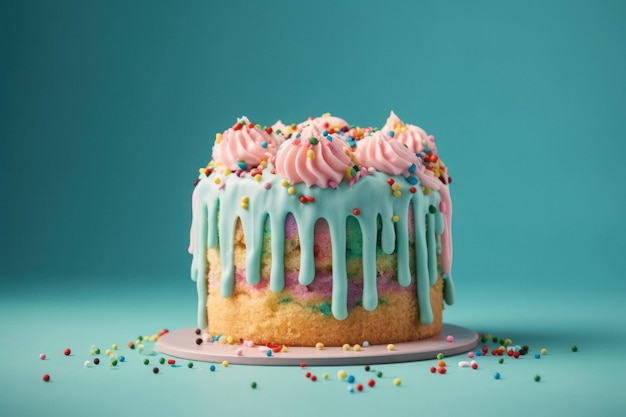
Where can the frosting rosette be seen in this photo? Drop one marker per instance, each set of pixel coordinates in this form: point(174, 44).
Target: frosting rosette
point(314, 159)
point(414, 137)
point(327, 122)
point(243, 146)
point(381, 152)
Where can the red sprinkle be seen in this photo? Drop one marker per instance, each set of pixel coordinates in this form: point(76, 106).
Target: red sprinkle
point(171, 361)
point(516, 355)
point(46, 377)
point(371, 382)
point(442, 370)
point(131, 345)
point(309, 199)
point(474, 365)
point(237, 126)
point(390, 181)
point(162, 332)
point(269, 129)
point(359, 387)
point(433, 369)
point(509, 352)
point(308, 375)
point(413, 190)
point(313, 378)
point(67, 352)
point(302, 365)
point(303, 200)
point(356, 211)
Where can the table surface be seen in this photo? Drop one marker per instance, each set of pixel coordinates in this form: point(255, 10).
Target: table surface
point(47, 319)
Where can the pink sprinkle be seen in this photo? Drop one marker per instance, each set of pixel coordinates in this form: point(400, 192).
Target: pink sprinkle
point(450, 338)
point(470, 355)
point(267, 185)
point(442, 207)
point(332, 184)
point(222, 185)
point(239, 351)
point(42, 356)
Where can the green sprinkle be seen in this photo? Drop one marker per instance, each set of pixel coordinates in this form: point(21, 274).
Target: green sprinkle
point(146, 361)
point(432, 209)
point(440, 356)
point(314, 141)
point(140, 338)
point(253, 385)
point(483, 338)
point(537, 378)
point(379, 374)
point(161, 361)
point(574, 348)
point(190, 365)
point(501, 360)
point(495, 339)
point(114, 362)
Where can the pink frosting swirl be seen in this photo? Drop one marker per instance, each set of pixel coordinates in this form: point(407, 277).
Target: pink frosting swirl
point(414, 137)
point(381, 152)
point(244, 144)
point(325, 122)
point(313, 159)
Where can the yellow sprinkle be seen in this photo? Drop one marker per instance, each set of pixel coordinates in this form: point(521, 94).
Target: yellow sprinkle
point(284, 182)
point(356, 347)
point(218, 137)
point(202, 171)
point(396, 219)
point(114, 346)
point(227, 171)
point(544, 351)
point(426, 190)
point(107, 352)
point(397, 193)
point(245, 199)
point(397, 382)
point(284, 349)
point(341, 374)
point(291, 190)
point(154, 337)
point(137, 342)
point(223, 340)
point(346, 347)
point(244, 206)
point(326, 115)
point(225, 364)
point(310, 154)
point(390, 346)
point(258, 126)
point(217, 180)
point(319, 346)
point(264, 163)
point(230, 340)
point(325, 375)
point(258, 177)
point(395, 186)
point(507, 342)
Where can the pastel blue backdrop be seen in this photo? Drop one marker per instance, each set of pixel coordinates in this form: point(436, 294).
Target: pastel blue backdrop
point(108, 108)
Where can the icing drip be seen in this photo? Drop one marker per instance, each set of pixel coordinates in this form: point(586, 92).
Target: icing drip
point(209, 230)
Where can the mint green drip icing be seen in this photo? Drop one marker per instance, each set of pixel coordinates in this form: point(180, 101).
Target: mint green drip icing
point(335, 207)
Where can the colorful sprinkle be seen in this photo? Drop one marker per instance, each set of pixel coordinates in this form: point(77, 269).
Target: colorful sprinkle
point(291, 190)
point(67, 352)
point(574, 348)
point(351, 378)
point(397, 382)
point(341, 374)
point(325, 376)
point(96, 361)
point(212, 368)
point(395, 218)
point(319, 346)
point(544, 351)
point(253, 385)
point(390, 346)
point(356, 211)
point(46, 377)
point(346, 347)
point(371, 383)
point(87, 363)
point(267, 185)
point(155, 370)
point(496, 375)
point(537, 378)
point(450, 338)
point(310, 154)
point(42, 356)
point(315, 141)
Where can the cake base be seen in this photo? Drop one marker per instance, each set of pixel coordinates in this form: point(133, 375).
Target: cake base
point(181, 344)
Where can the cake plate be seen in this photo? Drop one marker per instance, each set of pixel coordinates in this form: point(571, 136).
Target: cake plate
point(182, 344)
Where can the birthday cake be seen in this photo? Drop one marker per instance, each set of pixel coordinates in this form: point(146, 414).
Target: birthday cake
point(322, 232)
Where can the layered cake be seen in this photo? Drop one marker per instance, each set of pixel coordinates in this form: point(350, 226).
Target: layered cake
point(322, 232)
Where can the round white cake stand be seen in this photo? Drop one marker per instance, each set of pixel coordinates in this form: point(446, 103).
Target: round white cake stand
point(182, 344)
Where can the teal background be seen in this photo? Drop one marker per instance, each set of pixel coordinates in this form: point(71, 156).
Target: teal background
point(108, 108)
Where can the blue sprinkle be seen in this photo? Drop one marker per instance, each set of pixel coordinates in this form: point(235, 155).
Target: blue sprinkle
point(366, 343)
point(350, 388)
point(268, 352)
point(427, 149)
point(412, 179)
point(325, 133)
point(496, 375)
point(122, 359)
point(479, 353)
point(330, 138)
point(242, 165)
point(412, 168)
point(264, 144)
point(351, 378)
point(392, 133)
point(537, 356)
point(297, 135)
point(341, 133)
point(212, 368)
point(420, 155)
